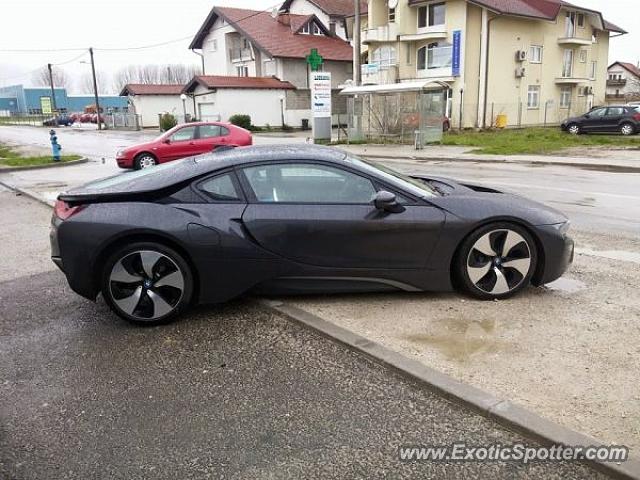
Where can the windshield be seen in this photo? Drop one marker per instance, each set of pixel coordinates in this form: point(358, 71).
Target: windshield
point(410, 185)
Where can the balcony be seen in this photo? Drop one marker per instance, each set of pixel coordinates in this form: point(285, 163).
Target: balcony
point(240, 54)
point(571, 80)
point(616, 82)
point(376, 74)
point(385, 33)
point(574, 41)
point(436, 32)
point(436, 62)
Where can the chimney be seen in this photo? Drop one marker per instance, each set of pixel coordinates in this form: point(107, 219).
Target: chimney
point(284, 18)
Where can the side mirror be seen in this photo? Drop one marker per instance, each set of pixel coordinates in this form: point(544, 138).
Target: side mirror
point(167, 140)
point(387, 201)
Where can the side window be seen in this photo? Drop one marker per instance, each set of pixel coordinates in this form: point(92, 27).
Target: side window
point(221, 188)
point(209, 131)
point(307, 183)
point(615, 111)
point(186, 133)
point(598, 112)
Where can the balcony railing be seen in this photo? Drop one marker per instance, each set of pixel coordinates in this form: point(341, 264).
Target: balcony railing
point(240, 54)
point(616, 82)
point(437, 63)
point(385, 33)
point(377, 74)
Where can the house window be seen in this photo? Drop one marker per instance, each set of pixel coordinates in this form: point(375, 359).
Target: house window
point(316, 29)
point(332, 28)
point(436, 14)
point(593, 70)
point(570, 25)
point(565, 97)
point(384, 56)
point(242, 71)
point(567, 63)
point(422, 17)
point(580, 20)
point(434, 55)
point(245, 43)
point(535, 54)
point(583, 56)
point(392, 15)
point(533, 96)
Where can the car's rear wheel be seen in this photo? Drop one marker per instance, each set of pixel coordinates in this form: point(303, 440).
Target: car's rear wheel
point(627, 129)
point(147, 283)
point(496, 261)
point(145, 160)
point(574, 129)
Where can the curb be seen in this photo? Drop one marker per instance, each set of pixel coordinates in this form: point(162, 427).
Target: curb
point(27, 193)
point(502, 411)
point(589, 166)
point(42, 167)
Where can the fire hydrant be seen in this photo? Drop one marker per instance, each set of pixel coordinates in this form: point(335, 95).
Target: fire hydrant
point(55, 146)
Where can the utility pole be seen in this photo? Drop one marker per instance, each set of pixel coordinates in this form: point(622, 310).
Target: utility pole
point(95, 87)
point(53, 96)
point(357, 73)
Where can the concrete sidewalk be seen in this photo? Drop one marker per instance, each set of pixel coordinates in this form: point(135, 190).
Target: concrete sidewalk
point(626, 161)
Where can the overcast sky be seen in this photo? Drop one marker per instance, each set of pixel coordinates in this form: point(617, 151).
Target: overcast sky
point(121, 24)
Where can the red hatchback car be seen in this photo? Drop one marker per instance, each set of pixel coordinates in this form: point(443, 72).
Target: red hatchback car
point(183, 141)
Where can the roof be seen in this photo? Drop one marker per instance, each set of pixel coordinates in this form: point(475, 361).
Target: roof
point(220, 81)
point(277, 39)
point(151, 89)
point(333, 8)
point(628, 66)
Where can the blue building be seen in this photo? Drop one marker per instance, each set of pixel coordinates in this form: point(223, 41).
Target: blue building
point(19, 99)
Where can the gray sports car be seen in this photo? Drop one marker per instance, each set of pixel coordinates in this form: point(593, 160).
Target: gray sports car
point(295, 219)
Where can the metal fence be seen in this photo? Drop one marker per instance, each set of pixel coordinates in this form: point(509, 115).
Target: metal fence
point(122, 121)
point(30, 120)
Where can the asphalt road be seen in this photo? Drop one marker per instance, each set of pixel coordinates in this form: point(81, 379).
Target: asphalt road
point(228, 392)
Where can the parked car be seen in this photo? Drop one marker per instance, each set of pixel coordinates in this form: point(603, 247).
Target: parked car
point(63, 120)
point(85, 117)
point(295, 219)
point(183, 141)
point(624, 119)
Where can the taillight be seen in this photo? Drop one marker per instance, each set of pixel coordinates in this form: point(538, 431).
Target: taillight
point(63, 210)
point(636, 117)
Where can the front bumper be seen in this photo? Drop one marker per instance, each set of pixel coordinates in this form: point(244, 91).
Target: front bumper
point(558, 252)
point(124, 162)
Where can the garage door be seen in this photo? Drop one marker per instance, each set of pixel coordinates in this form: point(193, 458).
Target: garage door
point(208, 112)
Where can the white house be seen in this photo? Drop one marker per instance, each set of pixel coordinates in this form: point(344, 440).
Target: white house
point(220, 97)
point(149, 101)
point(623, 83)
point(335, 14)
point(248, 43)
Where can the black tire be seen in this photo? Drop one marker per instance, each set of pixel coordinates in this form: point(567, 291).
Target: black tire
point(627, 129)
point(574, 129)
point(144, 160)
point(511, 265)
point(159, 297)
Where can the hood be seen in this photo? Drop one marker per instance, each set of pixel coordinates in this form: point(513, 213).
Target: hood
point(477, 203)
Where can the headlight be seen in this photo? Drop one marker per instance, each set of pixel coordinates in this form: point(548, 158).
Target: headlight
point(563, 228)
point(120, 153)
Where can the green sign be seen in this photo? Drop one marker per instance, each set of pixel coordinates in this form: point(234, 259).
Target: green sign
point(45, 105)
point(315, 60)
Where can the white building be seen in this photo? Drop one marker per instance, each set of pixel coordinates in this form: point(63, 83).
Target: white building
point(149, 101)
point(248, 43)
point(335, 14)
point(623, 83)
point(220, 97)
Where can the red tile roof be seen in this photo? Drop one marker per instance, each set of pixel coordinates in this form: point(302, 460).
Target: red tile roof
point(333, 8)
point(220, 81)
point(628, 66)
point(277, 39)
point(151, 89)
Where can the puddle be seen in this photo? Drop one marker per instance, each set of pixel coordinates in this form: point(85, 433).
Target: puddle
point(611, 254)
point(461, 339)
point(566, 285)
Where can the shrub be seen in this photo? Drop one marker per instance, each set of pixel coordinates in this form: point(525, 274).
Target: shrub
point(167, 122)
point(243, 121)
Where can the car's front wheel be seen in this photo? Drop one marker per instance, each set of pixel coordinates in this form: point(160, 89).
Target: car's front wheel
point(574, 129)
point(496, 261)
point(627, 129)
point(144, 160)
point(147, 283)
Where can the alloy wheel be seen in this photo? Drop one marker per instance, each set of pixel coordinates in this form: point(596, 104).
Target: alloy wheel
point(147, 161)
point(146, 285)
point(499, 261)
point(626, 129)
point(574, 129)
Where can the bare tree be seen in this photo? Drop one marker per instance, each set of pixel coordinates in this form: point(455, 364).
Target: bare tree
point(84, 83)
point(154, 74)
point(60, 78)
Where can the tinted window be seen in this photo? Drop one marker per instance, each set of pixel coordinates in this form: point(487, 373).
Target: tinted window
point(615, 111)
point(183, 134)
point(211, 131)
point(598, 112)
point(220, 188)
point(305, 183)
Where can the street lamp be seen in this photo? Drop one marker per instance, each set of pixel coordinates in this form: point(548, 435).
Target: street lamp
point(183, 97)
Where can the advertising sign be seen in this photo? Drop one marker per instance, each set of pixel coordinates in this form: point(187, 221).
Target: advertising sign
point(456, 54)
point(45, 105)
point(321, 94)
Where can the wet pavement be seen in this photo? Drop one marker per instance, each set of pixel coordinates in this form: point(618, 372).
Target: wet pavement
point(228, 392)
